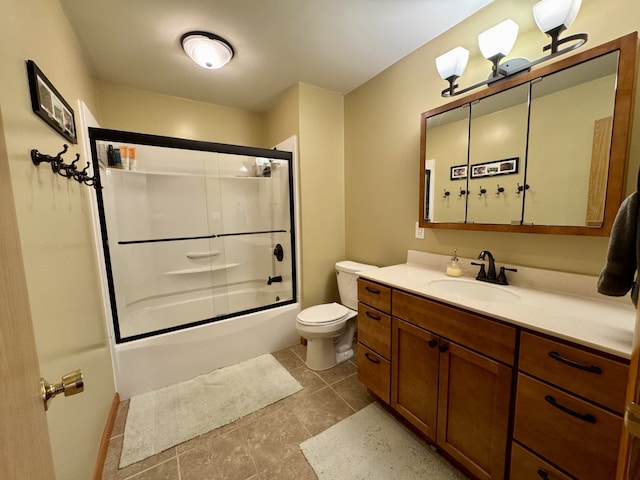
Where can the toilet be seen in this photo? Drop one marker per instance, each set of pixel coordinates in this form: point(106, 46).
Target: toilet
point(329, 328)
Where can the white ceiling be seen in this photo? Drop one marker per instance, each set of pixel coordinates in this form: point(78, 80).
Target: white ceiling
point(334, 44)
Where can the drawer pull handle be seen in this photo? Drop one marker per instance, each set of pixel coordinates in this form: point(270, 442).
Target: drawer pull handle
point(543, 474)
point(372, 360)
point(587, 368)
point(373, 316)
point(375, 291)
point(432, 343)
point(587, 417)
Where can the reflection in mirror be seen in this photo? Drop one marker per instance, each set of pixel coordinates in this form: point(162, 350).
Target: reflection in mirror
point(498, 146)
point(446, 166)
point(570, 135)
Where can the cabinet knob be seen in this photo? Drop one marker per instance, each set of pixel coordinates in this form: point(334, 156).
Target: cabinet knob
point(432, 343)
point(443, 347)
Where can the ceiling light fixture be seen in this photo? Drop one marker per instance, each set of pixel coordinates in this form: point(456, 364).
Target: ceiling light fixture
point(552, 17)
point(207, 49)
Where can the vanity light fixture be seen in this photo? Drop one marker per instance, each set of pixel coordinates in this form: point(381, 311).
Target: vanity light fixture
point(207, 49)
point(552, 17)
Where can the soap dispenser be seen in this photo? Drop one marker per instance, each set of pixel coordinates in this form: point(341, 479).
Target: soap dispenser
point(453, 268)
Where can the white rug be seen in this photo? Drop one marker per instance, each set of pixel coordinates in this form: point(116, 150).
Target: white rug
point(372, 445)
point(171, 415)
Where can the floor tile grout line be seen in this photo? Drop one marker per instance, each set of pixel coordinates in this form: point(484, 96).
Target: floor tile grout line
point(133, 477)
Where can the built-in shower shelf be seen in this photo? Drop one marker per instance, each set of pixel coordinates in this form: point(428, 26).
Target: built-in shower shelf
point(203, 269)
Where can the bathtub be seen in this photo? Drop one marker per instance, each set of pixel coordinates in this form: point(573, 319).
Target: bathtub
point(177, 309)
point(153, 362)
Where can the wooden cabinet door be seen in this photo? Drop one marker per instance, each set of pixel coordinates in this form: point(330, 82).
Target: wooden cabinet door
point(473, 410)
point(414, 375)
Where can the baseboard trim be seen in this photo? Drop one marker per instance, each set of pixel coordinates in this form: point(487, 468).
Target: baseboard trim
point(106, 436)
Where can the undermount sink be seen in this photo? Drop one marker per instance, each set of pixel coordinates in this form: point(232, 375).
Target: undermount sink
point(473, 290)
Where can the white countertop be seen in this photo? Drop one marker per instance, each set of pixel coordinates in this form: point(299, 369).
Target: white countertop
point(564, 305)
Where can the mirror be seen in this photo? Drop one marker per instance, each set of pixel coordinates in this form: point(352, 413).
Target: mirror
point(544, 154)
point(498, 148)
point(448, 149)
point(569, 152)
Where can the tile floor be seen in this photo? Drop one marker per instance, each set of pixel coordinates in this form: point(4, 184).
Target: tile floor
point(261, 446)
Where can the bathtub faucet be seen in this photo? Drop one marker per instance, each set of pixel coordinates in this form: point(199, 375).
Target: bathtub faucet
point(274, 279)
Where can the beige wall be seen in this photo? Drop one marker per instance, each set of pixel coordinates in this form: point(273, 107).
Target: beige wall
point(322, 191)
point(130, 109)
point(382, 137)
point(54, 222)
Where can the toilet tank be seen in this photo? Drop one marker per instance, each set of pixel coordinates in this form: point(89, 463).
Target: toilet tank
point(347, 274)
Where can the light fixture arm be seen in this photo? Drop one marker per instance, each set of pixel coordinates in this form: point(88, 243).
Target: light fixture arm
point(451, 90)
point(579, 39)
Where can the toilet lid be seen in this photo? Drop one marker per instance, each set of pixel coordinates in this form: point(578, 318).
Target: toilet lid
point(320, 314)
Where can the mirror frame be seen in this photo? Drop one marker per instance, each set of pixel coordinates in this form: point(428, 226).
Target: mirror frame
point(620, 137)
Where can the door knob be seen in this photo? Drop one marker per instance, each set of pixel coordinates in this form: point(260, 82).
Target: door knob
point(70, 384)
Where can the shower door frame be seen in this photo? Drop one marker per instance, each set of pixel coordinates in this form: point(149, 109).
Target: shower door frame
point(120, 136)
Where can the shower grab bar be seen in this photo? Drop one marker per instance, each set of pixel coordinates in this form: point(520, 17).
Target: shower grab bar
point(214, 253)
point(178, 239)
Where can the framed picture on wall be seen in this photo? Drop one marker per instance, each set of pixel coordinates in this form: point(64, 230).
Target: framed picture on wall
point(458, 172)
point(49, 105)
point(507, 166)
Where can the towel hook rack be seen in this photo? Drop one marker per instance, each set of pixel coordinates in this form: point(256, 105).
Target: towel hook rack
point(66, 170)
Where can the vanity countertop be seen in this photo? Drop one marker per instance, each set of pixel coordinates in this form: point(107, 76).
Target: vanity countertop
point(568, 306)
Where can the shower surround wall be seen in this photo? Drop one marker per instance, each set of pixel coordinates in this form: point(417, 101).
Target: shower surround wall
point(190, 240)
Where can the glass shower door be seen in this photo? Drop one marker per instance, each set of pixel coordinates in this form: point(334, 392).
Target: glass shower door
point(198, 232)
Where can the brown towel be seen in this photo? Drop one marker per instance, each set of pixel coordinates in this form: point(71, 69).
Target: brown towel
point(617, 277)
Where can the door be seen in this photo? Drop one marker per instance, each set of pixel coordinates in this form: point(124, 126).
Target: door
point(414, 379)
point(24, 437)
point(629, 455)
point(473, 410)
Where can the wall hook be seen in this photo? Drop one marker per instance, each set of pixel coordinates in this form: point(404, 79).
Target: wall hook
point(463, 192)
point(446, 193)
point(521, 188)
point(500, 190)
point(66, 170)
point(482, 191)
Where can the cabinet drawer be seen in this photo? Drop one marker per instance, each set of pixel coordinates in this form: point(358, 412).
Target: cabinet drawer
point(527, 466)
point(375, 295)
point(579, 437)
point(492, 338)
point(586, 374)
point(374, 329)
point(374, 371)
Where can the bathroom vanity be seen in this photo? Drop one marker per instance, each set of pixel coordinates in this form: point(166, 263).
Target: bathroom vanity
point(510, 382)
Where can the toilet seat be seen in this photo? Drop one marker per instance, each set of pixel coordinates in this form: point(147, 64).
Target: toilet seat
point(322, 315)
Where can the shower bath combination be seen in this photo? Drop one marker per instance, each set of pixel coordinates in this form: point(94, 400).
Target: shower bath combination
point(199, 236)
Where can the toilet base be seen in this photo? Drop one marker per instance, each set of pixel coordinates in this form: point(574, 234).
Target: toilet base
point(322, 355)
point(326, 352)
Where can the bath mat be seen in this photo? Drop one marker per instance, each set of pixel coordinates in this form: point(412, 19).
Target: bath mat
point(372, 445)
point(171, 415)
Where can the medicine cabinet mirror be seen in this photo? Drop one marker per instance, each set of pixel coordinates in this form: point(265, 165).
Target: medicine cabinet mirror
point(543, 152)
